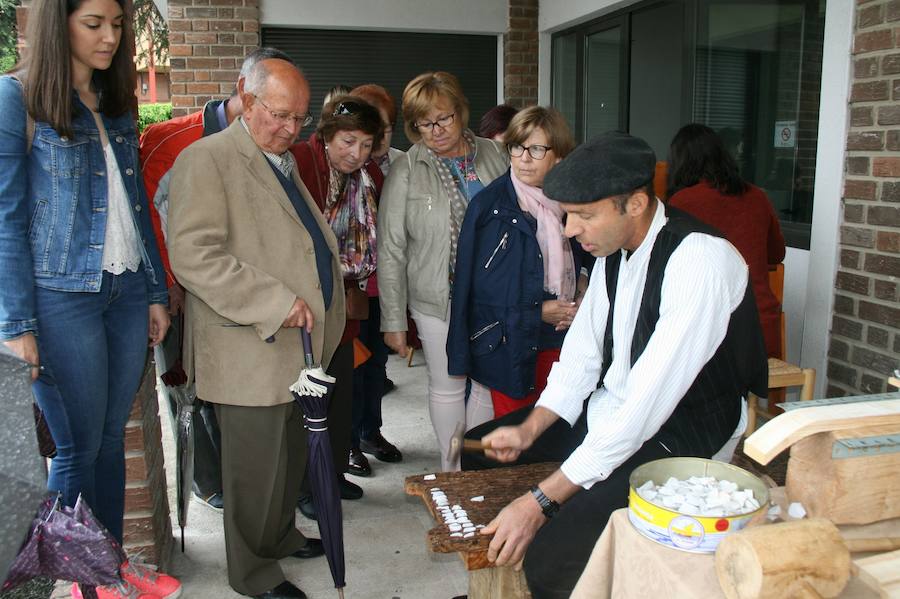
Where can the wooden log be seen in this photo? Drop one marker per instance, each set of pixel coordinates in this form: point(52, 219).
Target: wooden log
point(504, 582)
point(802, 558)
point(786, 429)
point(856, 490)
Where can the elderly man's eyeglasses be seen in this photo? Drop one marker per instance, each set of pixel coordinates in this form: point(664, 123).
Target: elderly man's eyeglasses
point(286, 119)
point(535, 151)
point(428, 126)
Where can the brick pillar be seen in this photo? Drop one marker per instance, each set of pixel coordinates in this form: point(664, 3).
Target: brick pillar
point(148, 528)
point(865, 333)
point(520, 54)
point(208, 40)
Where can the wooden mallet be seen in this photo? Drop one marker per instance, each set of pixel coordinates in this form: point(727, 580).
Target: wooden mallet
point(458, 443)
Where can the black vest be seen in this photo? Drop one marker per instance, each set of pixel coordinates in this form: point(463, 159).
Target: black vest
point(707, 415)
point(323, 253)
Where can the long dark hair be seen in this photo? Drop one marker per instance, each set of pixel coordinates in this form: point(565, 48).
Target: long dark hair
point(698, 154)
point(46, 70)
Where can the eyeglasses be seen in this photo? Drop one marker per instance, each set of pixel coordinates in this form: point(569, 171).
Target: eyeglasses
point(535, 151)
point(346, 109)
point(285, 119)
point(428, 126)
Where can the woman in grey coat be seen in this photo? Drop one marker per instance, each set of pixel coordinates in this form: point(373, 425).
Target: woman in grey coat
point(422, 206)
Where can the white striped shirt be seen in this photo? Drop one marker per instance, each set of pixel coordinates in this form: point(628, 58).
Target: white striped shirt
point(704, 282)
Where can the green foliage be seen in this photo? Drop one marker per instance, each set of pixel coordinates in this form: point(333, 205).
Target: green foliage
point(153, 113)
point(8, 54)
point(149, 25)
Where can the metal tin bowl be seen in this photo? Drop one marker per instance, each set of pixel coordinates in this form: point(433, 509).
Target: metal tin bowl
point(696, 534)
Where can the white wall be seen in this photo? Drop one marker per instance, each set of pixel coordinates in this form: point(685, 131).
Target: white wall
point(457, 16)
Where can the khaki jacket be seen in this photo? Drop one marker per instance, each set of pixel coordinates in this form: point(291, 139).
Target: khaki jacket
point(241, 252)
point(414, 233)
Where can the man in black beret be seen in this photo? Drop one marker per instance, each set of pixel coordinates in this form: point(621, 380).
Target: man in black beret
point(665, 347)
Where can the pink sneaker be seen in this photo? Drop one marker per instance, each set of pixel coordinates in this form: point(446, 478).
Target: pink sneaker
point(121, 590)
point(147, 581)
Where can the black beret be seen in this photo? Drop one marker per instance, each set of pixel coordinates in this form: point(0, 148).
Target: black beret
point(608, 165)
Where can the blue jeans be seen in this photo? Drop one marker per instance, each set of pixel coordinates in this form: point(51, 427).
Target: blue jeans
point(93, 347)
point(368, 378)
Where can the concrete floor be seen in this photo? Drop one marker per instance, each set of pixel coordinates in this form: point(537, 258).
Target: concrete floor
point(384, 532)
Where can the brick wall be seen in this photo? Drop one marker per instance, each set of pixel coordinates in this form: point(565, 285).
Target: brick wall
point(865, 341)
point(208, 40)
point(148, 527)
point(520, 54)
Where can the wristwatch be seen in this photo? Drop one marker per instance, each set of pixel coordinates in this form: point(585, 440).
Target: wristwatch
point(548, 506)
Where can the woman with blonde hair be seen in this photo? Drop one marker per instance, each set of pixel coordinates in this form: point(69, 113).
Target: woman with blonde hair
point(422, 208)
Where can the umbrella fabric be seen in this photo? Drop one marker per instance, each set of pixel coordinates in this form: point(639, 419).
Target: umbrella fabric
point(312, 391)
point(23, 475)
point(183, 397)
point(67, 544)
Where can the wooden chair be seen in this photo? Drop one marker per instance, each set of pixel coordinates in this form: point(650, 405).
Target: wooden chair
point(659, 179)
point(781, 374)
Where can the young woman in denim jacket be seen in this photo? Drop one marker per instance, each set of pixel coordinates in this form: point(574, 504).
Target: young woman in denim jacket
point(82, 288)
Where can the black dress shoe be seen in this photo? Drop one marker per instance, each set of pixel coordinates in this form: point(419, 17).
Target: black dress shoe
point(381, 448)
point(283, 591)
point(388, 386)
point(307, 507)
point(313, 548)
point(349, 490)
point(359, 464)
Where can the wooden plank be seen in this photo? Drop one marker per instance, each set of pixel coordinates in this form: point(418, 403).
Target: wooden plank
point(894, 382)
point(786, 429)
point(499, 486)
point(881, 573)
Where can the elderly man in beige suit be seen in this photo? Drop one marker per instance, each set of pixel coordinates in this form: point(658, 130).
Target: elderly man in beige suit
point(258, 261)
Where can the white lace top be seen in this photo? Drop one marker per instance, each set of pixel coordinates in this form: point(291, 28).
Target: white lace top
point(120, 245)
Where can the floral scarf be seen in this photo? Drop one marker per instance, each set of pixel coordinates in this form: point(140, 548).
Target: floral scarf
point(458, 203)
point(350, 209)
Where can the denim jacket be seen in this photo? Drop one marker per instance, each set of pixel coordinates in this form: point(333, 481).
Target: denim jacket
point(53, 207)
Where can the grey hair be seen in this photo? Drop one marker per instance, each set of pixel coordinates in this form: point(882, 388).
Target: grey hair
point(255, 81)
point(259, 55)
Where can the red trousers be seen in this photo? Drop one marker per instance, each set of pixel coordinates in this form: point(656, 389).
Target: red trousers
point(504, 404)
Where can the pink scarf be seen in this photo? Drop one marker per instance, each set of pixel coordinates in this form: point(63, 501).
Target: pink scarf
point(559, 266)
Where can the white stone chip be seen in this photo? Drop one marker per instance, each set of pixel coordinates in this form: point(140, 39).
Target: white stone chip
point(796, 510)
point(454, 527)
point(478, 498)
point(700, 496)
point(456, 534)
point(430, 477)
point(468, 534)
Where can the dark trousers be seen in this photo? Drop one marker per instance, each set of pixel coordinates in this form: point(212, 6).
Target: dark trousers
point(339, 406)
point(368, 378)
point(561, 548)
point(262, 450)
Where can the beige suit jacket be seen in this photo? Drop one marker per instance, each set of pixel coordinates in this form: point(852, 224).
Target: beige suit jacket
point(243, 255)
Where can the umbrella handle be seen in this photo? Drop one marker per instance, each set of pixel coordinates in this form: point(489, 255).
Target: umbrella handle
point(307, 346)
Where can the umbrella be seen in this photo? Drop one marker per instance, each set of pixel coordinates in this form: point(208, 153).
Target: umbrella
point(68, 543)
point(23, 476)
point(183, 396)
point(312, 391)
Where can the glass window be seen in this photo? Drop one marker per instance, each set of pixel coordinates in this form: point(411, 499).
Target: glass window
point(603, 106)
point(757, 79)
point(565, 76)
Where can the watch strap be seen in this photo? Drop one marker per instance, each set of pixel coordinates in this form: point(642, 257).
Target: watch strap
point(548, 506)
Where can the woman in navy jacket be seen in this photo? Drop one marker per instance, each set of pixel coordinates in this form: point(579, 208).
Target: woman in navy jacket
point(517, 284)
